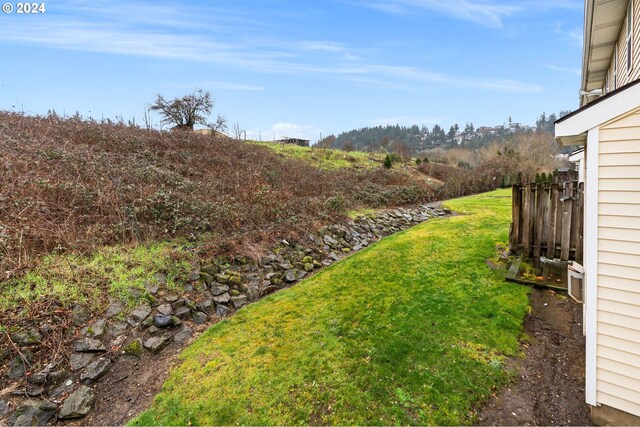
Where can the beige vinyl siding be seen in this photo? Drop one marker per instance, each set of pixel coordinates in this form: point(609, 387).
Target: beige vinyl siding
point(623, 159)
point(618, 308)
point(614, 198)
point(624, 247)
point(614, 221)
point(617, 319)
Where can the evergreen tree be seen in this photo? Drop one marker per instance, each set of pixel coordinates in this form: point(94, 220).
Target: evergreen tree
point(468, 129)
point(387, 162)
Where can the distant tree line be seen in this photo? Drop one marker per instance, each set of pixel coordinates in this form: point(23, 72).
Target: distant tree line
point(547, 124)
point(415, 139)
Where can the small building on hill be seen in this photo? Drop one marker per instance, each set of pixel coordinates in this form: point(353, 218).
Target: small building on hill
point(209, 131)
point(294, 141)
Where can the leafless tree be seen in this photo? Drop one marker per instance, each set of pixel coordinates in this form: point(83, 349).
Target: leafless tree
point(237, 131)
point(183, 113)
point(147, 117)
point(403, 150)
point(348, 146)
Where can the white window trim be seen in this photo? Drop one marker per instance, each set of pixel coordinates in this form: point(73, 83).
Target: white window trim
point(615, 68)
point(629, 40)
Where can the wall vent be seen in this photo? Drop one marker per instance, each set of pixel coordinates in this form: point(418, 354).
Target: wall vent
point(575, 280)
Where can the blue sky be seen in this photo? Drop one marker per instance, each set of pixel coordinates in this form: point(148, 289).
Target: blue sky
point(298, 68)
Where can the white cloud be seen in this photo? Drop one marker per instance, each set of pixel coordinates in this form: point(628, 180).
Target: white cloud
point(441, 79)
point(488, 13)
point(124, 37)
point(130, 12)
point(404, 121)
point(546, 5)
point(485, 13)
point(568, 70)
point(88, 37)
point(319, 45)
point(233, 86)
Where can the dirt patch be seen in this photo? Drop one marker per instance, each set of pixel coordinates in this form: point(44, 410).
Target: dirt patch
point(549, 387)
point(130, 387)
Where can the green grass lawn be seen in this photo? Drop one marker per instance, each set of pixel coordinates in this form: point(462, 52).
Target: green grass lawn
point(413, 330)
point(111, 272)
point(325, 158)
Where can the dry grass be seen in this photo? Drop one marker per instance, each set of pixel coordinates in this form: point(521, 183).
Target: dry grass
point(74, 185)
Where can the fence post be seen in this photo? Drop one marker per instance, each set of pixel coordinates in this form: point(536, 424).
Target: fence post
point(516, 202)
point(575, 219)
point(559, 218)
point(526, 221)
point(539, 224)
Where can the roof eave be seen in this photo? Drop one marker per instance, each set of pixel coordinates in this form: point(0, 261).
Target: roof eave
point(572, 129)
point(586, 45)
point(570, 140)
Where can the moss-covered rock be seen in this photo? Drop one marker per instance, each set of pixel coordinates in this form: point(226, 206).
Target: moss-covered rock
point(134, 348)
point(210, 269)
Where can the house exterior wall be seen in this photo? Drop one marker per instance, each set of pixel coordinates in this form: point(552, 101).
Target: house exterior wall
point(618, 264)
point(610, 130)
point(625, 76)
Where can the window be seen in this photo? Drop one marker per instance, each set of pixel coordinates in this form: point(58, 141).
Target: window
point(629, 33)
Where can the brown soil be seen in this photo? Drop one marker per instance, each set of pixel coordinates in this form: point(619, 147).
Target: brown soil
point(129, 388)
point(549, 386)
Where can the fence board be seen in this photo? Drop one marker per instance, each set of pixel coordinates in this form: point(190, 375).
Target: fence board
point(567, 210)
point(539, 223)
point(547, 218)
point(574, 227)
point(516, 202)
point(558, 241)
point(551, 222)
point(526, 223)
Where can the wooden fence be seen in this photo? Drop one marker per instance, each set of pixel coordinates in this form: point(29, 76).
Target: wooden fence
point(547, 220)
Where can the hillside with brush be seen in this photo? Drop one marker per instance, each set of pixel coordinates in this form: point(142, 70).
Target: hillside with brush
point(72, 185)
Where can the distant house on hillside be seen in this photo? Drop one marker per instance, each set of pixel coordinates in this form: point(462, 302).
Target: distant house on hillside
point(294, 141)
point(485, 130)
point(607, 124)
point(514, 127)
point(209, 131)
point(181, 128)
